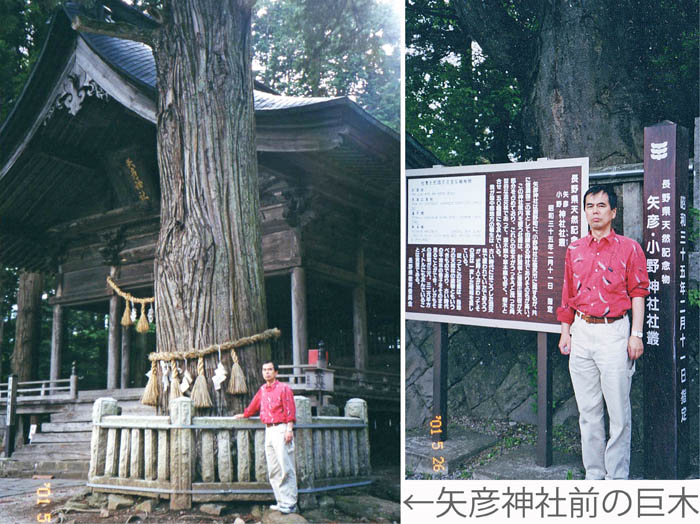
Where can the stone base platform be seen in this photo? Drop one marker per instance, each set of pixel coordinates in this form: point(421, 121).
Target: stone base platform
point(462, 445)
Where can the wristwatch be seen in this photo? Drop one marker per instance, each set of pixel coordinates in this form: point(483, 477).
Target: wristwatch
point(638, 334)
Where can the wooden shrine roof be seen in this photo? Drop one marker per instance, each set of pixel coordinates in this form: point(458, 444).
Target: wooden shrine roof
point(89, 103)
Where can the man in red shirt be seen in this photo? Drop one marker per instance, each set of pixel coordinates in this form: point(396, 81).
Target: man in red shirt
point(275, 402)
point(605, 275)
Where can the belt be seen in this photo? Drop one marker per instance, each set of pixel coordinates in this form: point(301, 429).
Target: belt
point(274, 424)
point(597, 320)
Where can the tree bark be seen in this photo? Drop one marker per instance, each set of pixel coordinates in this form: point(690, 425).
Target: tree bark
point(209, 284)
point(27, 327)
point(570, 64)
point(582, 98)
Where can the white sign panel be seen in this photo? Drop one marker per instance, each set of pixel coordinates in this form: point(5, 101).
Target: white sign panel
point(447, 211)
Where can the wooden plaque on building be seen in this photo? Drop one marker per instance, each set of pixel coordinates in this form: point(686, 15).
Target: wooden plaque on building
point(666, 207)
point(485, 245)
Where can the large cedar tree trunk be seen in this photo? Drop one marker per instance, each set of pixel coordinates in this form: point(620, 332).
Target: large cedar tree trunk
point(27, 326)
point(209, 284)
point(570, 65)
point(582, 102)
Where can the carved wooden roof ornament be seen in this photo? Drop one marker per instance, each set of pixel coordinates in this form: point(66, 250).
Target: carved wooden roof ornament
point(75, 88)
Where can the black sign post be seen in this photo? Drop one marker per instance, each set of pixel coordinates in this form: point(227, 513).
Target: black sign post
point(440, 343)
point(666, 376)
point(543, 456)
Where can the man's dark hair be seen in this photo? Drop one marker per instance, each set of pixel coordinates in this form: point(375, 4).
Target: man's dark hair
point(594, 190)
point(274, 364)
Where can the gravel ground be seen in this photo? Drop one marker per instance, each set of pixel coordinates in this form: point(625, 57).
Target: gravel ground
point(86, 509)
point(24, 509)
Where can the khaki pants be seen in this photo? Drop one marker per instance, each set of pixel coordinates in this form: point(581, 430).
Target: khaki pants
point(280, 466)
point(601, 369)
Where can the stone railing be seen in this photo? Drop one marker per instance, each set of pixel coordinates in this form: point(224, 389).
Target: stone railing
point(195, 459)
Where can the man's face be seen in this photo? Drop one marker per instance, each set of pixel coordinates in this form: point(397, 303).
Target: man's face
point(598, 212)
point(269, 373)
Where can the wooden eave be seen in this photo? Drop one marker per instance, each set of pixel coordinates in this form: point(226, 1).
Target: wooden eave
point(340, 158)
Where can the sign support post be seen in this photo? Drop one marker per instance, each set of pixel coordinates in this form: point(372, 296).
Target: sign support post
point(544, 403)
point(440, 370)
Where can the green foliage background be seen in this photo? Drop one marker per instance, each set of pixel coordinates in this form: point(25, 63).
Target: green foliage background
point(331, 48)
point(466, 110)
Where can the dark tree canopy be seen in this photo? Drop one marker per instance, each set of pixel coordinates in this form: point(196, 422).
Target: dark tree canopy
point(458, 102)
point(585, 77)
point(331, 48)
point(23, 25)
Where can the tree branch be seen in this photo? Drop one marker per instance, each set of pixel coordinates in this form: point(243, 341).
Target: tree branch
point(117, 30)
point(504, 39)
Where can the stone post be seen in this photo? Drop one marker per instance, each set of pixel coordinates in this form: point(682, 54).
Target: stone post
point(304, 449)
point(357, 408)
point(10, 421)
point(182, 453)
point(98, 443)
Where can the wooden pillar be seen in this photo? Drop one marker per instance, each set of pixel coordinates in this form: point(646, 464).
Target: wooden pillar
point(696, 165)
point(695, 257)
point(359, 314)
point(113, 348)
point(299, 333)
point(126, 353)
point(27, 326)
point(56, 342)
point(667, 338)
point(440, 343)
point(2, 329)
point(544, 403)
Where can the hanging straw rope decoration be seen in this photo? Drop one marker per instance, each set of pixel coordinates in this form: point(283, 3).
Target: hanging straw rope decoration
point(268, 334)
point(175, 381)
point(152, 391)
point(126, 317)
point(200, 392)
point(236, 383)
point(142, 326)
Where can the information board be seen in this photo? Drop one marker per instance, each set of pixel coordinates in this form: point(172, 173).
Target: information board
point(485, 245)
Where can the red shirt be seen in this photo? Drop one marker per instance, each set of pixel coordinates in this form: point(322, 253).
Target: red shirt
point(601, 277)
point(275, 402)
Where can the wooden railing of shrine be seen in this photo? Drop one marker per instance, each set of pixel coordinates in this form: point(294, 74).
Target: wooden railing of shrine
point(62, 388)
point(309, 378)
point(38, 395)
point(194, 459)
